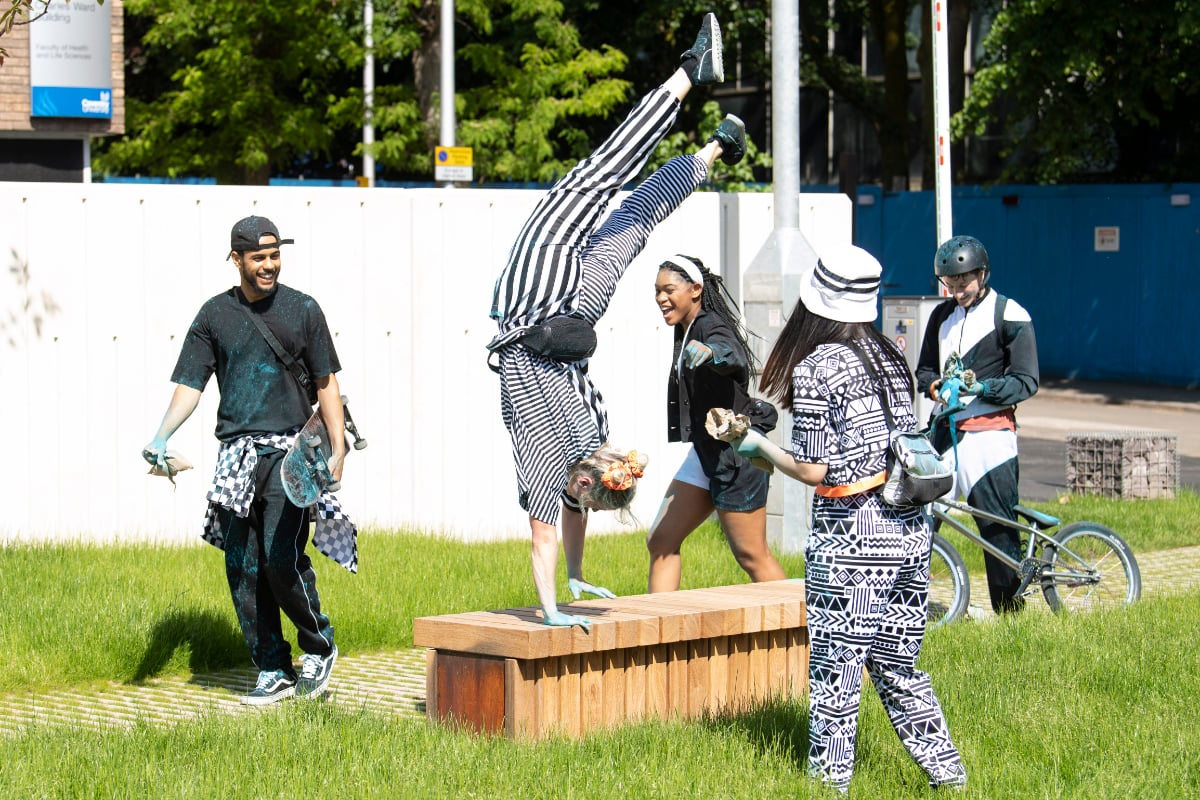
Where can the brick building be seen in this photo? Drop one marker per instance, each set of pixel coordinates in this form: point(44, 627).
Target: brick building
point(45, 147)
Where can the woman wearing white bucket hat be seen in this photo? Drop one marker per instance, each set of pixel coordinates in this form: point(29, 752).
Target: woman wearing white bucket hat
point(866, 562)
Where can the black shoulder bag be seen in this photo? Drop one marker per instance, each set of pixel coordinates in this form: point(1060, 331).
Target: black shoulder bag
point(299, 372)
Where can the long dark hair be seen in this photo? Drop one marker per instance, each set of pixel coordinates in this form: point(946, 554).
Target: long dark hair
point(715, 299)
point(805, 331)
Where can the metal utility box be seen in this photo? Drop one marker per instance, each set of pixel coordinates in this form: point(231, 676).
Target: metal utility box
point(904, 321)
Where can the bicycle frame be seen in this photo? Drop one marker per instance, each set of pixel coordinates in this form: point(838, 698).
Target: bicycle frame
point(1036, 535)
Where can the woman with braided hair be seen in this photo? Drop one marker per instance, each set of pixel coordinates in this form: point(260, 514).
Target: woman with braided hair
point(711, 368)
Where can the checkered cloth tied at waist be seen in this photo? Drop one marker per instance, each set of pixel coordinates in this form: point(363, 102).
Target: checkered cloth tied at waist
point(233, 488)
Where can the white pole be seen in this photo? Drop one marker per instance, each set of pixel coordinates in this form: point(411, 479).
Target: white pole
point(87, 160)
point(785, 111)
point(447, 91)
point(369, 93)
point(941, 121)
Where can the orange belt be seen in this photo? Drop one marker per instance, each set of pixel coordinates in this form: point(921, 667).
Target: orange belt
point(847, 489)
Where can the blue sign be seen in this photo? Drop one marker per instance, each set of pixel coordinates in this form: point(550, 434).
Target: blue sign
point(70, 61)
point(69, 101)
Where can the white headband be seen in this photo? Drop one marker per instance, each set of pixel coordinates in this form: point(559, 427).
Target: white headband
point(688, 267)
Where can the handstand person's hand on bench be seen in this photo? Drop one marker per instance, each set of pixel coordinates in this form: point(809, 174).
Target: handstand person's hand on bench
point(558, 618)
point(576, 586)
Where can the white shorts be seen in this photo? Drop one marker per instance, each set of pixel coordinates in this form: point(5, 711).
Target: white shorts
point(690, 471)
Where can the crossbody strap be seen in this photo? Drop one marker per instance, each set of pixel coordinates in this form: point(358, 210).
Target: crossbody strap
point(293, 366)
point(869, 366)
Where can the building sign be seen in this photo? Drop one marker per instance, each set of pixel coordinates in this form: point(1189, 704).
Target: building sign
point(1108, 239)
point(70, 61)
point(453, 164)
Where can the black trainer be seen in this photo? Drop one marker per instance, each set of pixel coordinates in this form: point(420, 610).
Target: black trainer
point(731, 134)
point(273, 685)
point(704, 60)
point(314, 674)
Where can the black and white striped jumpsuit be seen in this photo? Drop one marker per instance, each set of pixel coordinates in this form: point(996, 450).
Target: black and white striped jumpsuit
point(562, 263)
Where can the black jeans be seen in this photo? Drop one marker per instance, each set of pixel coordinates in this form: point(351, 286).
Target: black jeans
point(269, 572)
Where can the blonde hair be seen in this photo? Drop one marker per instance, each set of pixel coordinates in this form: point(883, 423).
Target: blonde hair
point(599, 496)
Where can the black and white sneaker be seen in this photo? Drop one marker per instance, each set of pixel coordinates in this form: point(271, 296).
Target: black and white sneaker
point(704, 61)
point(314, 674)
point(273, 685)
point(731, 134)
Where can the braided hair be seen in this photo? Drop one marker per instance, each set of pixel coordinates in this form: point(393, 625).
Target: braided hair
point(715, 299)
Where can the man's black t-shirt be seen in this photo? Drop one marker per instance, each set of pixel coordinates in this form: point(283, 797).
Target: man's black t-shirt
point(258, 393)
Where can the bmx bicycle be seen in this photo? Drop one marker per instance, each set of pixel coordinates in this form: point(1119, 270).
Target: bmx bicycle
point(1084, 565)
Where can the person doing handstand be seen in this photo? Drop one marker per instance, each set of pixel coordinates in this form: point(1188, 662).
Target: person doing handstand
point(560, 276)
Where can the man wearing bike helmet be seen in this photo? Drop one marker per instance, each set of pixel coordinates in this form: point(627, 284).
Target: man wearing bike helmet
point(992, 336)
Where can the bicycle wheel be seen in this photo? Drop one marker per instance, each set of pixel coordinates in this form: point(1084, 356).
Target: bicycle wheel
point(949, 589)
point(1090, 567)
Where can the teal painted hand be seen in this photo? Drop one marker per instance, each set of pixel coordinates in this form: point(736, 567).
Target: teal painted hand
point(750, 445)
point(695, 354)
point(155, 453)
point(559, 619)
point(576, 586)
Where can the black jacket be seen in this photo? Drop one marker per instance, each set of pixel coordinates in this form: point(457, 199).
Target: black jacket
point(722, 382)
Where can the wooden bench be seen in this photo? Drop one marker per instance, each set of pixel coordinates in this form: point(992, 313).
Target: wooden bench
point(646, 656)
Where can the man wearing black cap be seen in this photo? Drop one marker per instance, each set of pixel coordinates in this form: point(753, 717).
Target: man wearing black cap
point(262, 406)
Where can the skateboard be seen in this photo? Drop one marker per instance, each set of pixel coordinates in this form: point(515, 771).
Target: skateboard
point(307, 468)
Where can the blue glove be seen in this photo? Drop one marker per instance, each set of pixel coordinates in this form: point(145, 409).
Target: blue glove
point(576, 586)
point(560, 619)
point(979, 388)
point(155, 453)
point(695, 354)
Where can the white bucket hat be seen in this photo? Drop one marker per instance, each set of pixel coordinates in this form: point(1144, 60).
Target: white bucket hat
point(844, 284)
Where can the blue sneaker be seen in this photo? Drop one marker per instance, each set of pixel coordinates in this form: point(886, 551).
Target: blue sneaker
point(314, 674)
point(704, 61)
point(273, 685)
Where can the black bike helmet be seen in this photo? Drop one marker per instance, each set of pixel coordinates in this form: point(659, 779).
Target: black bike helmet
point(960, 255)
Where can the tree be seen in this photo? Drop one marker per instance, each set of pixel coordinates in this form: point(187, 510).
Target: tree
point(1082, 91)
point(248, 91)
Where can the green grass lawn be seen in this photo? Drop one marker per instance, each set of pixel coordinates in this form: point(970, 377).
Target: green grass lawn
point(83, 613)
point(1093, 706)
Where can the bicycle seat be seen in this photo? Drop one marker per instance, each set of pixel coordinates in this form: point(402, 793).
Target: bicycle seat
point(1045, 520)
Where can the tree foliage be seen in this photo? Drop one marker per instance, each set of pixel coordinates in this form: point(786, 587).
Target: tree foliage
point(249, 87)
point(1102, 89)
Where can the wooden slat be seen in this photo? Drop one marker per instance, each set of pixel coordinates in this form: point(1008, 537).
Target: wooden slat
point(718, 673)
point(740, 687)
point(591, 691)
point(759, 679)
point(613, 678)
point(777, 676)
point(547, 692)
point(636, 659)
point(571, 707)
point(431, 684)
point(697, 671)
point(677, 678)
point(658, 699)
point(520, 704)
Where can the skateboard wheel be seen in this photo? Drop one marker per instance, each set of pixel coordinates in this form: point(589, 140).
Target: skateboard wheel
point(334, 486)
point(312, 441)
point(359, 444)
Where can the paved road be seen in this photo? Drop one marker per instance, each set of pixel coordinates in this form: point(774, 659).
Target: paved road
point(1062, 408)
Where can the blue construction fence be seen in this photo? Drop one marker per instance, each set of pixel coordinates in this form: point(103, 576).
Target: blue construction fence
point(1109, 273)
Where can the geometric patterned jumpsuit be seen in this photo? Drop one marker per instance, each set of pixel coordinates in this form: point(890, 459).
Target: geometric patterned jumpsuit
point(866, 572)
